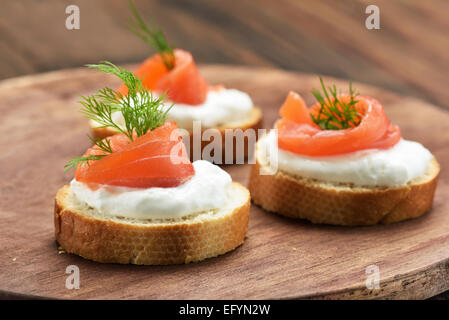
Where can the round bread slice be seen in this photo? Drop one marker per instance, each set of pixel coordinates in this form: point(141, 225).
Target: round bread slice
point(254, 122)
point(81, 230)
point(341, 204)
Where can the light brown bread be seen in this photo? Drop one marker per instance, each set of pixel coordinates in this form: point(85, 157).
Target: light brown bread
point(329, 203)
point(82, 231)
point(253, 122)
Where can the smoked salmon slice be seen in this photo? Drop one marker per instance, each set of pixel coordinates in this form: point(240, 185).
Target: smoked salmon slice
point(295, 109)
point(146, 162)
point(183, 84)
point(298, 133)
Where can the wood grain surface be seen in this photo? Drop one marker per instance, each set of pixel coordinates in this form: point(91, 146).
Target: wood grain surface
point(407, 55)
point(41, 128)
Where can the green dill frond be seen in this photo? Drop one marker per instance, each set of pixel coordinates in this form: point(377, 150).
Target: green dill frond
point(82, 161)
point(153, 36)
point(335, 114)
point(98, 109)
point(104, 145)
point(142, 112)
point(140, 109)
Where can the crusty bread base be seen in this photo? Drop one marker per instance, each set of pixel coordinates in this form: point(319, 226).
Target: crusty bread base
point(253, 122)
point(321, 202)
point(82, 231)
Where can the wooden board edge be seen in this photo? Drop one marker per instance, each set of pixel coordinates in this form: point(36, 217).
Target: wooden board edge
point(422, 284)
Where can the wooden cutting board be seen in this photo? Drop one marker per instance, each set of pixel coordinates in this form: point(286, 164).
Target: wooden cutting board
point(41, 128)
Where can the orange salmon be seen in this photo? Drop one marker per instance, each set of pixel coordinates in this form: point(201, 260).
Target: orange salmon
point(183, 84)
point(143, 163)
point(300, 135)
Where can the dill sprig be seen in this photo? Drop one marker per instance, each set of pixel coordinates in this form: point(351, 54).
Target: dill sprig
point(82, 161)
point(141, 110)
point(103, 145)
point(153, 36)
point(335, 114)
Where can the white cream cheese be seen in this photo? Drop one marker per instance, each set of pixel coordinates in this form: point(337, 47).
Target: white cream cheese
point(384, 168)
point(206, 190)
point(222, 106)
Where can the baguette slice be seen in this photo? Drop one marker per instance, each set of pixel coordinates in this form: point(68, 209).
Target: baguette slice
point(253, 122)
point(82, 231)
point(329, 203)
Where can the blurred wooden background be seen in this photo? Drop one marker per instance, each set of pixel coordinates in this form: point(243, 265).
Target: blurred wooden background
point(409, 54)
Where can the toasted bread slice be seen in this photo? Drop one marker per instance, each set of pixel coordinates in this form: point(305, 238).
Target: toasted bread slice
point(341, 204)
point(82, 231)
point(254, 121)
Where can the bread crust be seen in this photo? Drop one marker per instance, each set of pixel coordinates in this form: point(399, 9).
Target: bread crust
point(115, 241)
point(326, 203)
point(253, 122)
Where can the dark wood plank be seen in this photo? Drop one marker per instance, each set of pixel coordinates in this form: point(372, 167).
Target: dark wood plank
point(408, 55)
point(281, 258)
